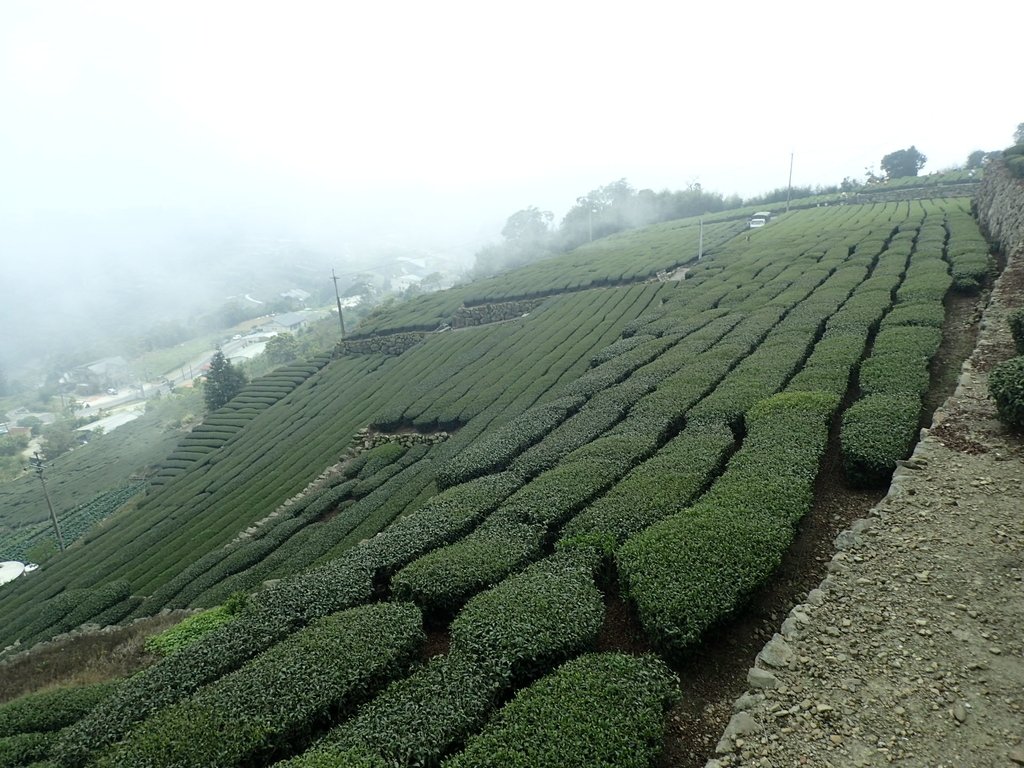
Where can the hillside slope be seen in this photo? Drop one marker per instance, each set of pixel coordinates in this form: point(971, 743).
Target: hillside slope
point(910, 651)
point(658, 440)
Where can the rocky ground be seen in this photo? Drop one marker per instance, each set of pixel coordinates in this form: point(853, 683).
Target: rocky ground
point(911, 651)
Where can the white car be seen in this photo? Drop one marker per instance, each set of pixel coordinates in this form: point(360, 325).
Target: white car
point(756, 222)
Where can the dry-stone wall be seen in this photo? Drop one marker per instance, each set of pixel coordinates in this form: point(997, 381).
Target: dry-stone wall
point(392, 344)
point(492, 313)
point(999, 206)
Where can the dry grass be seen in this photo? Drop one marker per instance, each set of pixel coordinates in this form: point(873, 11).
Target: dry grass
point(91, 657)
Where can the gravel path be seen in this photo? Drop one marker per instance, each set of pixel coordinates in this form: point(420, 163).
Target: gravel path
point(911, 652)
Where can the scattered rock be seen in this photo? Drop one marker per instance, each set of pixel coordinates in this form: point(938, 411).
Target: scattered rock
point(777, 653)
point(761, 678)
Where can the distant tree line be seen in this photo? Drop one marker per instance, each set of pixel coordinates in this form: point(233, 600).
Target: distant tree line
point(530, 234)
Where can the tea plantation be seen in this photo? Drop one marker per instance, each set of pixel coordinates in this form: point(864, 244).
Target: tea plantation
point(659, 438)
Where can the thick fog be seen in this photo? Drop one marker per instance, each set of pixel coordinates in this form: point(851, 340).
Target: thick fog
point(159, 158)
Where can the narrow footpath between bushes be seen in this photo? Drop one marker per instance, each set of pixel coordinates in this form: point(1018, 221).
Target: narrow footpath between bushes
point(911, 651)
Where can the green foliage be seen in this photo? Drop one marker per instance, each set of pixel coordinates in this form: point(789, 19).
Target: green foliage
point(1015, 165)
point(188, 631)
point(223, 382)
point(691, 570)
point(930, 313)
point(445, 518)
point(58, 438)
point(68, 610)
point(1006, 387)
point(514, 631)
point(417, 720)
point(902, 163)
point(1016, 322)
point(655, 489)
point(546, 614)
point(52, 709)
point(275, 614)
point(269, 706)
point(25, 748)
point(281, 348)
point(74, 524)
point(899, 363)
point(577, 716)
point(877, 431)
point(796, 310)
point(442, 580)
point(378, 458)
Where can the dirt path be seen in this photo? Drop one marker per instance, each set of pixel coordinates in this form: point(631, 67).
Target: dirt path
point(911, 652)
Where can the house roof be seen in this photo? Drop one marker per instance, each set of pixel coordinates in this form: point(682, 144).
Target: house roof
point(294, 319)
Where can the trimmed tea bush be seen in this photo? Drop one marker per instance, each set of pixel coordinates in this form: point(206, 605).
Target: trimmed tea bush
point(540, 617)
point(277, 701)
point(24, 748)
point(1016, 321)
point(1006, 387)
point(659, 487)
point(695, 568)
point(51, 710)
point(415, 721)
point(579, 716)
point(444, 579)
point(274, 613)
point(878, 431)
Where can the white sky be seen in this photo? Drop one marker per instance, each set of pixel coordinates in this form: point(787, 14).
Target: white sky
point(344, 116)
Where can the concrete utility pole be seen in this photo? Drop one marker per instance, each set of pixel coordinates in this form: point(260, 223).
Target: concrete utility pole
point(700, 242)
point(37, 462)
point(337, 296)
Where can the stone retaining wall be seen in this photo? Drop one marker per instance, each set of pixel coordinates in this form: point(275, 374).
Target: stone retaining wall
point(999, 206)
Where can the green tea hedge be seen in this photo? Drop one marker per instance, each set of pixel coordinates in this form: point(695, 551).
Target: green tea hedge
point(24, 748)
point(414, 721)
point(51, 710)
point(540, 617)
point(277, 702)
point(695, 568)
point(442, 580)
point(1006, 387)
point(1016, 321)
point(878, 430)
point(597, 710)
point(655, 489)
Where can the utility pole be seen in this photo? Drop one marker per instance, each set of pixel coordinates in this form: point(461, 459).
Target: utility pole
point(700, 242)
point(337, 296)
point(37, 462)
point(789, 187)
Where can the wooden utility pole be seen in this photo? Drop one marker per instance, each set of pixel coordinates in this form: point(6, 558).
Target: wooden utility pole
point(337, 296)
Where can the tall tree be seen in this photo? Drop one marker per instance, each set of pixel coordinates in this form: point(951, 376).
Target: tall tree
point(975, 160)
point(903, 162)
point(223, 382)
point(1018, 135)
point(282, 348)
point(528, 227)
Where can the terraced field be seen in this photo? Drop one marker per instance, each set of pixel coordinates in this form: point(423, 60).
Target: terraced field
point(656, 439)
